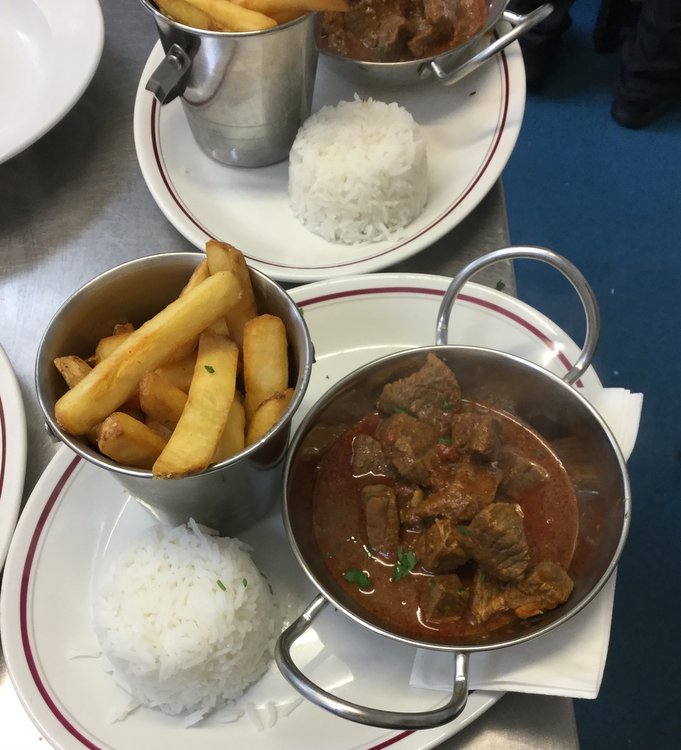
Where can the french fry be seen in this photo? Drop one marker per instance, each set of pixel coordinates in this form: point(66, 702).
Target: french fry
point(72, 368)
point(160, 429)
point(192, 445)
point(233, 17)
point(267, 415)
point(287, 15)
point(160, 400)
point(123, 328)
point(114, 379)
point(233, 438)
point(108, 345)
point(273, 7)
point(129, 441)
point(179, 373)
point(185, 13)
point(265, 353)
point(224, 257)
point(199, 274)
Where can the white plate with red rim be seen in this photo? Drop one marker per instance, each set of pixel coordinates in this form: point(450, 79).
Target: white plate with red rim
point(50, 50)
point(78, 517)
point(470, 129)
point(12, 452)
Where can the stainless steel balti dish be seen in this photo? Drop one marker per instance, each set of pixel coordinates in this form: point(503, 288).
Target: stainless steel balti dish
point(551, 406)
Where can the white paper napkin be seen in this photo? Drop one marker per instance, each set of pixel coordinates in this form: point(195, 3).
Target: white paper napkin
point(569, 660)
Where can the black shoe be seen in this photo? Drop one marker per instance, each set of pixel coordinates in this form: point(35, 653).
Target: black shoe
point(641, 113)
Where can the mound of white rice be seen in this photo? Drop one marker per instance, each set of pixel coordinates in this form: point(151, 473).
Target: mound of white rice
point(358, 171)
point(186, 620)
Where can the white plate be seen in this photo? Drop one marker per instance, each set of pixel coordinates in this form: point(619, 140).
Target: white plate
point(470, 130)
point(49, 52)
point(78, 516)
point(12, 453)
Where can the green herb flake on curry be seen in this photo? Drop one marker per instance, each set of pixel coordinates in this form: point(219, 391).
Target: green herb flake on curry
point(462, 519)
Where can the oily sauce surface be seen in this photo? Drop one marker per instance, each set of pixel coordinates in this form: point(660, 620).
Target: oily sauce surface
point(550, 520)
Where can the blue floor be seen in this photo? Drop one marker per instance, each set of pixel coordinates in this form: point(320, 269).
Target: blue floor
point(610, 200)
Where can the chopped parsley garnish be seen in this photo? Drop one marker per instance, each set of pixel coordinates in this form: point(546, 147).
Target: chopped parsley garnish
point(445, 441)
point(464, 530)
point(355, 575)
point(446, 406)
point(406, 562)
point(400, 410)
point(221, 585)
point(500, 286)
point(209, 369)
point(245, 582)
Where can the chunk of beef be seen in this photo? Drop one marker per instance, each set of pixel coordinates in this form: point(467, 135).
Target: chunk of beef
point(368, 456)
point(440, 548)
point(499, 546)
point(409, 501)
point(519, 474)
point(476, 433)
point(430, 394)
point(382, 519)
point(546, 586)
point(486, 597)
point(444, 598)
point(406, 442)
point(433, 25)
point(463, 492)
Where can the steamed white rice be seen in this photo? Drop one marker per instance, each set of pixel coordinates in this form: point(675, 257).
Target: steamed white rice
point(186, 620)
point(358, 171)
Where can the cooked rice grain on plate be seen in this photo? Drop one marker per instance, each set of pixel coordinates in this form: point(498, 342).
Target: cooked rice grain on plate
point(186, 619)
point(358, 171)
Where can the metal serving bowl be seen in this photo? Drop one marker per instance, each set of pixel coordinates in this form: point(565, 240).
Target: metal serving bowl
point(570, 425)
point(228, 496)
point(454, 64)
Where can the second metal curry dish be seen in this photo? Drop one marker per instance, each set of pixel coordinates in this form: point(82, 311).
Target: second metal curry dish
point(585, 496)
point(500, 28)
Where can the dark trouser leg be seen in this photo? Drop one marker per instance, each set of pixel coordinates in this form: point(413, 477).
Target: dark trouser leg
point(649, 77)
point(615, 18)
point(539, 44)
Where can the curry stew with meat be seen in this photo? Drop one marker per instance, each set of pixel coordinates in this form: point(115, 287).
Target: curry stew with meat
point(401, 30)
point(443, 516)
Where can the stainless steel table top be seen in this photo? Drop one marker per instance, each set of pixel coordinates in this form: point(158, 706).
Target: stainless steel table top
point(75, 204)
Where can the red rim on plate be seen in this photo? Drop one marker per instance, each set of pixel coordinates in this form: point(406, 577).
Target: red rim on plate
point(25, 557)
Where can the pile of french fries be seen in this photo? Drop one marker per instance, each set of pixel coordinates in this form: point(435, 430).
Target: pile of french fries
point(204, 378)
point(242, 15)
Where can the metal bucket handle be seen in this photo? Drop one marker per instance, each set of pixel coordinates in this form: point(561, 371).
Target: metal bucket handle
point(519, 26)
point(169, 79)
point(364, 714)
point(571, 273)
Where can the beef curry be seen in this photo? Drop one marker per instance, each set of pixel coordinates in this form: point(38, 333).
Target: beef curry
point(400, 30)
point(444, 516)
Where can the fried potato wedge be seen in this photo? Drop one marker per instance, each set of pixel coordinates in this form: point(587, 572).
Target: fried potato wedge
point(187, 14)
point(160, 400)
point(192, 445)
point(114, 379)
point(233, 17)
point(180, 372)
point(267, 415)
point(265, 353)
point(224, 257)
point(233, 438)
point(72, 368)
point(108, 345)
point(273, 7)
point(129, 441)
